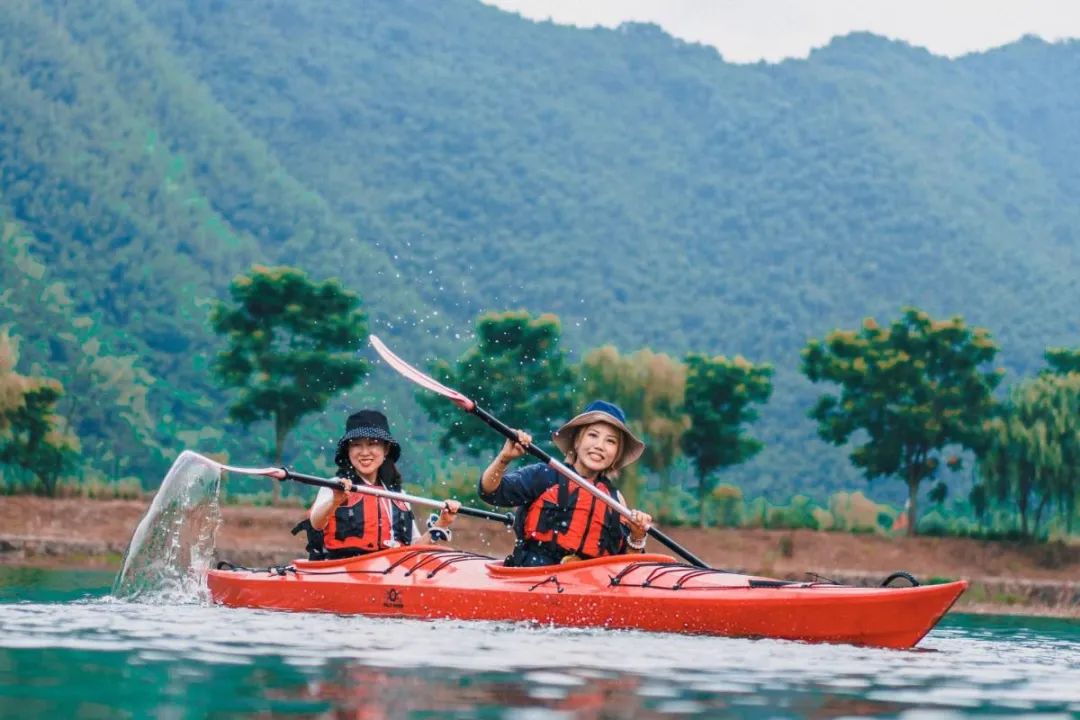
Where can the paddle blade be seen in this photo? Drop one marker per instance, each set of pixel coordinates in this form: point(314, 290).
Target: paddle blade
point(420, 378)
point(273, 472)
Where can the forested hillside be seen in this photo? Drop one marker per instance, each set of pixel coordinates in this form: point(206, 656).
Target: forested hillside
point(447, 158)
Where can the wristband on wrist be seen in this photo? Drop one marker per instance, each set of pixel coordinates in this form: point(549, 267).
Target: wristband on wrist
point(436, 533)
point(637, 544)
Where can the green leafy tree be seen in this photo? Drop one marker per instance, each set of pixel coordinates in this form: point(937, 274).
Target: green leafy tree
point(938, 493)
point(38, 443)
point(291, 347)
point(516, 369)
point(720, 397)
point(980, 503)
point(1063, 361)
point(650, 387)
point(106, 398)
point(106, 402)
point(32, 435)
point(1032, 456)
point(913, 389)
point(727, 505)
point(13, 386)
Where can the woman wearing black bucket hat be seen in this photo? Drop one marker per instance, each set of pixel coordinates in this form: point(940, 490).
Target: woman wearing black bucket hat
point(354, 523)
point(556, 520)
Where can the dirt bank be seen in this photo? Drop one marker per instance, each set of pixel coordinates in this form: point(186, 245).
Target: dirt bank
point(1007, 577)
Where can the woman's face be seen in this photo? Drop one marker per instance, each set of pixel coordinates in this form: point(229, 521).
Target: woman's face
point(366, 455)
point(597, 448)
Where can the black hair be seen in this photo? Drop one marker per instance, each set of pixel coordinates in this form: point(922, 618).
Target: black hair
point(389, 476)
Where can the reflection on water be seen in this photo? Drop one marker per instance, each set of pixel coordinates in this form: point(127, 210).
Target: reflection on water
point(356, 691)
point(361, 692)
point(103, 657)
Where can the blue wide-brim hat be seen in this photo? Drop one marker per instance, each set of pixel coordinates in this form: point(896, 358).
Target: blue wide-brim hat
point(366, 424)
point(605, 412)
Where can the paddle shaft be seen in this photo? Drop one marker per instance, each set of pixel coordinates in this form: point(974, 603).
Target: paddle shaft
point(504, 518)
point(568, 472)
point(273, 472)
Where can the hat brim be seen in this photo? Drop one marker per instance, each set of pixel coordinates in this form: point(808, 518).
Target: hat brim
point(564, 436)
point(393, 452)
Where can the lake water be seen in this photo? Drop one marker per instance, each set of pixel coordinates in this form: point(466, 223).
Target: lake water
point(68, 650)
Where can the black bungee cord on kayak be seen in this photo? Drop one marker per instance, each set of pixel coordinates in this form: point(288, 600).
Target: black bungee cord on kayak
point(660, 571)
point(270, 570)
point(900, 574)
point(445, 558)
point(545, 581)
point(822, 578)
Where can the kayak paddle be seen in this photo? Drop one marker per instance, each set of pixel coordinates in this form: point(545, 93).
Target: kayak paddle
point(506, 431)
point(286, 474)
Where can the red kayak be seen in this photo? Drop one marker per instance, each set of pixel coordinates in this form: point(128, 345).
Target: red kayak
point(639, 592)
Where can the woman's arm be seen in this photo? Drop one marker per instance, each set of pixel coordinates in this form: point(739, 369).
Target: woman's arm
point(446, 518)
point(493, 475)
point(326, 502)
point(520, 487)
point(638, 526)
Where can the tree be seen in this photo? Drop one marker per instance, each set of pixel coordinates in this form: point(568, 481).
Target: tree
point(728, 505)
point(13, 386)
point(1032, 455)
point(979, 503)
point(720, 395)
point(651, 388)
point(913, 388)
point(291, 347)
point(31, 434)
point(106, 398)
point(516, 369)
point(106, 403)
point(1062, 361)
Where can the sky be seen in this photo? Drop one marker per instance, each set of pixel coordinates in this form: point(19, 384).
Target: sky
point(751, 30)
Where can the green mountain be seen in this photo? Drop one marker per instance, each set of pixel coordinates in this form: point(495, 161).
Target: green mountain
point(448, 158)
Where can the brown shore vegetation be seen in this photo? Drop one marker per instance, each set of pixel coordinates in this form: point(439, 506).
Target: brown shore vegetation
point(1006, 577)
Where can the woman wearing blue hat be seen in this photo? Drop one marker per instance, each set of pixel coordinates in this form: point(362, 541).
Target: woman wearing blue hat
point(355, 523)
point(556, 519)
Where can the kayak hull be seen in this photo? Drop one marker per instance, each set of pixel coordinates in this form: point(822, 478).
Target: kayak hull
point(640, 592)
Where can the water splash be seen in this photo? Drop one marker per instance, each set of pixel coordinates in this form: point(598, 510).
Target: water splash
point(173, 545)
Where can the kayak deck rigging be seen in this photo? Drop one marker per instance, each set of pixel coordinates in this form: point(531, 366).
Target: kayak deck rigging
point(436, 560)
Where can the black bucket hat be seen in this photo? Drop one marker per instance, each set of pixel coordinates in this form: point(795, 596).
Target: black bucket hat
point(366, 424)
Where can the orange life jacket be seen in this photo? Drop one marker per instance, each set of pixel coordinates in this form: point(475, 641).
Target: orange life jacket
point(575, 522)
point(368, 522)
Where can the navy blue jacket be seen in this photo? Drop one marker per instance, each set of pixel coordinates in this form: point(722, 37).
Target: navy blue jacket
point(521, 487)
